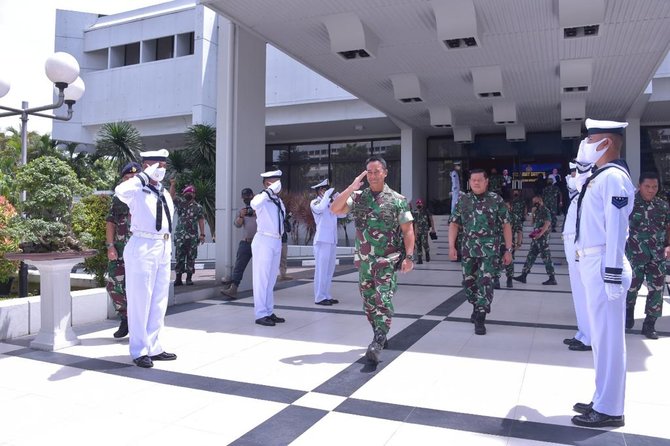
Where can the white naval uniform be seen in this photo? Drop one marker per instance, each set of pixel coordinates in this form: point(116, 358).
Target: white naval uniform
point(325, 245)
point(266, 250)
point(603, 231)
point(147, 256)
point(455, 189)
point(583, 332)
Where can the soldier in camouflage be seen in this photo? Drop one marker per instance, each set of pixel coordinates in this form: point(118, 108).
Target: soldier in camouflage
point(496, 182)
point(117, 234)
point(551, 195)
point(539, 243)
point(519, 206)
point(647, 250)
point(191, 217)
point(423, 225)
point(517, 230)
point(480, 214)
point(383, 231)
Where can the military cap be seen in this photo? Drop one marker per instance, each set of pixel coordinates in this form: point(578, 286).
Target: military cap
point(155, 155)
point(594, 127)
point(324, 183)
point(132, 167)
point(190, 189)
point(271, 174)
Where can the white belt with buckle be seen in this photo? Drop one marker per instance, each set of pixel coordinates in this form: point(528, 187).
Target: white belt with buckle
point(568, 236)
point(269, 234)
point(151, 235)
point(590, 251)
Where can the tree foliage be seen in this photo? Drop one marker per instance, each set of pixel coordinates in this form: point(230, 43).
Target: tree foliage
point(120, 141)
point(9, 239)
point(89, 225)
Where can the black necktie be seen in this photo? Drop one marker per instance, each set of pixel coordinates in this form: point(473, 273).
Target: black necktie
point(161, 203)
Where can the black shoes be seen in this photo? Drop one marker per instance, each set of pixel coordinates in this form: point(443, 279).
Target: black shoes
point(334, 301)
point(189, 280)
point(551, 281)
point(521, 278)
point(164, 356)
point(597, 419)
point(375, 348)
point(123, 329)
point(583, 408)
point(496, 284)
point(480, 328)
point(510, 284)
point(325, 302)
point(427, 257)
point(419, 261)
point(630, 316)
point(570, 341)
point(177, 280)
point(144, 361)
point(265, 321)
point(579, 347)
point(276, 319)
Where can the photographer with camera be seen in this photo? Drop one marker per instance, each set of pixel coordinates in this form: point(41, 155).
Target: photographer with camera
point(539, 244)
point(246, 219)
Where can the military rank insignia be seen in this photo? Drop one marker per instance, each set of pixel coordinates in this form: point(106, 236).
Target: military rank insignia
point(619, 202)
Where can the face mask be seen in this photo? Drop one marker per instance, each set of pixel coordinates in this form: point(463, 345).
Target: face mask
point(247, 201)
point(587, 152)
point(158, 174)
point(275, 187)
point(188, 197)
point(536, 205)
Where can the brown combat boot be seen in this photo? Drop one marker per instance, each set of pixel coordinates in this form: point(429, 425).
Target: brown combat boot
point(231, 291)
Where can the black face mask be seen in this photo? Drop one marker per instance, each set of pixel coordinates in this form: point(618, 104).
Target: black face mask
point(247, 201)
point(536, 205)
point(189, 197)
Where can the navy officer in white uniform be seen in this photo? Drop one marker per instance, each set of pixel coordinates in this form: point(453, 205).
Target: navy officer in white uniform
point(148, 254)
point(325, 242)
point(266, 247)
point(603, 207)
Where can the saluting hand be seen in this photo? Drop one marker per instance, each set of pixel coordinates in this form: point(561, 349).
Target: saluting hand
point(358, 182)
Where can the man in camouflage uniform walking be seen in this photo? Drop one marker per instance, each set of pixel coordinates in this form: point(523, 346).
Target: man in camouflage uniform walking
point(517, 228)
point(117, 235)
point(481, 214)
point(496, 182)
point(423, 225)
point(186, 239)
point(551, 196)
point(539, 243)
point(647, 250)
point(383, 231)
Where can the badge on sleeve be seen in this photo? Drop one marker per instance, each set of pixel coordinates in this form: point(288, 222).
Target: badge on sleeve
point(619, 202)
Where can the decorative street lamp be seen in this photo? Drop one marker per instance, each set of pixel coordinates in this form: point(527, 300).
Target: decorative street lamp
point(63, 70)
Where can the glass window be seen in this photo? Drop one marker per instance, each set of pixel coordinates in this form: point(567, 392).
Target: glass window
point(165, 48)
point(311, 153)
point(131, 55)
point(388, 149)
point(276, 155)
point(350, 151)
point(444, 148)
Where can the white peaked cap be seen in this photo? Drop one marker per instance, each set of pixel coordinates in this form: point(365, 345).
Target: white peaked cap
point(572, 165)
point(271, 174)
point(324, 183)
point(594, 126)
point(155, 155)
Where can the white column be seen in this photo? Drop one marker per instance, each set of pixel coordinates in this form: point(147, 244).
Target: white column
point(240, 140)
point(55, 304)
point(413, 146)
point(632, 148)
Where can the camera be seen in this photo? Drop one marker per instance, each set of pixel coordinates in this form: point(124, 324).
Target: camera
point(250, 211)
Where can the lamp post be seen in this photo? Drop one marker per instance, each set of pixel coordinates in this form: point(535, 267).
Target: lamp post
point(63, 70)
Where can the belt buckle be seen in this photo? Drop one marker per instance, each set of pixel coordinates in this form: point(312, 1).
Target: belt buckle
point(166, 236)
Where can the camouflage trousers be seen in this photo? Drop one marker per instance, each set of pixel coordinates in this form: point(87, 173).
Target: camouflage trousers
point(539, 246)
point(421, 244)
point(509, 269)
point(377, 283)
point(654, 272)
point(116, 286)
point(554, 217)
point(186, 253)
point(478, 273)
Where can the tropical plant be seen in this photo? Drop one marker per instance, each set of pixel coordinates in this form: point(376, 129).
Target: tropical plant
point(120, 141)
point(50, 185)
point(9, 239)
point(195, 164)
point(89, 225)
point(298, 205)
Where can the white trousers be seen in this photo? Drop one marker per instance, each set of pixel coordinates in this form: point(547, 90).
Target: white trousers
point(578, 298)
point(265, 257)
point(606, 321)
point(147, 288)
point(324, 268)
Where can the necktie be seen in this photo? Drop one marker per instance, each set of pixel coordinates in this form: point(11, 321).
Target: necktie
point(161, 203)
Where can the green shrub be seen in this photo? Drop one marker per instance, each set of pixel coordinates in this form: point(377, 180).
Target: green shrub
point(89, 225)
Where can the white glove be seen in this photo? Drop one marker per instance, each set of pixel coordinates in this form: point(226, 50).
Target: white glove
point(275, 187)
point(150, 171)
point(329, 192)
point(613, 290)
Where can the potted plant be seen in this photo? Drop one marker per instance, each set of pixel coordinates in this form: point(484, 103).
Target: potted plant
point(9, 242)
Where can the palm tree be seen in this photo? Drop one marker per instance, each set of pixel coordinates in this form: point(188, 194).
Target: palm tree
point(201, 144)
point(120, 141)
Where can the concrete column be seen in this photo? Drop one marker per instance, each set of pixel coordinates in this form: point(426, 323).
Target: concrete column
point(632, 148)
point(413, 146)
point(240, 136)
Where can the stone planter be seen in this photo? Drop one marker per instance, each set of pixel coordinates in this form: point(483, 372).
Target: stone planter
point(56, 306)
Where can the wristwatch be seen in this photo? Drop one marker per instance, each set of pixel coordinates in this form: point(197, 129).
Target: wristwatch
point(510, 249)
point(411, 258)
point(110, 245)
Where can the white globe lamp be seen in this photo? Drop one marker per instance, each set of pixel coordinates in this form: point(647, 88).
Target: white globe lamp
point(75, 91)
point(61, 68)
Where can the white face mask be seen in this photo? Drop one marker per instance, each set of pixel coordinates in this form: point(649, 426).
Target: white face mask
point(275, 187)
point(158, 174)
point(587, 152)
point(571, 182)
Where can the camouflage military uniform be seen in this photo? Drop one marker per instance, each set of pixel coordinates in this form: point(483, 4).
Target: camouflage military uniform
point(379, 249)
point(119, 215)
point(421, 229)
point(496, 184)
point(519, 209)
point(550, 196)
point(481, 217)
point(539, 245)
point(517, 226)
point(645, 251)
point(186, 235)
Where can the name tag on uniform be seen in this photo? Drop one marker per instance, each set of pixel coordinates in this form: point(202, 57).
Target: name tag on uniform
point(619, 202)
